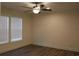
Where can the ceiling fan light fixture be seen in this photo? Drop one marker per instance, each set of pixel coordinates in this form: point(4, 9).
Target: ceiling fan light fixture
point(36, 10)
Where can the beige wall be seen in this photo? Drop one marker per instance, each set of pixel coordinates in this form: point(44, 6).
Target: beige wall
point(0, 8)
point(26, 29)
point(57, 30)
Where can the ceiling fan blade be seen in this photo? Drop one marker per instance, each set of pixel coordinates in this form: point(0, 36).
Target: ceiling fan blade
point(26, 7)
point(46, 9)
point(28, 11)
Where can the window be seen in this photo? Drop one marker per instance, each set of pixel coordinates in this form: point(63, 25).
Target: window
point(10, 29)
point(16, 29)
point(4, 29)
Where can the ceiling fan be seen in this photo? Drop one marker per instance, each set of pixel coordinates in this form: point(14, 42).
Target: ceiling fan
point(39, 6)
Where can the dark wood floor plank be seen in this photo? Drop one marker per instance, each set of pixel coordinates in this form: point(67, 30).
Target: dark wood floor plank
point(35, 50)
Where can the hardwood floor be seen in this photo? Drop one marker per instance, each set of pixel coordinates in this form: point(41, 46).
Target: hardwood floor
point(34, 50)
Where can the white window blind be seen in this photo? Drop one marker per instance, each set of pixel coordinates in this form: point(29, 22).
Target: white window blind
point(16, 29)
point(4, 29)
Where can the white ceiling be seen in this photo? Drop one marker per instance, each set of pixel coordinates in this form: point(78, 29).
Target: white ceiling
point(53, 5)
